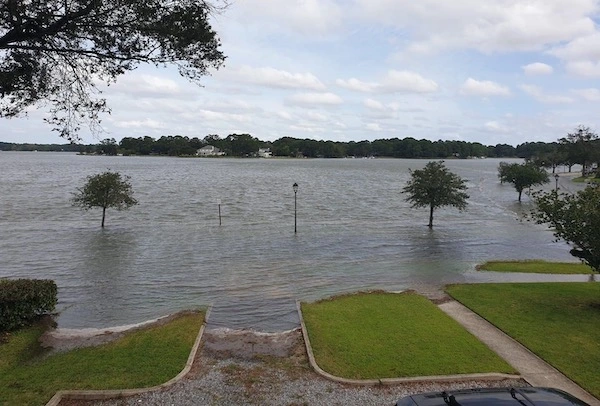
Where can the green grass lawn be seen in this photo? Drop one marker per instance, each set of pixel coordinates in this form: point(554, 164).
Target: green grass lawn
point(583, 179)
point(535, 266)
point(386, 335)
point(560, 322)
point(146, 357)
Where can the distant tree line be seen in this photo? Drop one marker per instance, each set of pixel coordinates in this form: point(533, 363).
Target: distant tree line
point(576, 148)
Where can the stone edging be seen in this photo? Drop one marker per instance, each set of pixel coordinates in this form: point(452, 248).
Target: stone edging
point(392, 381)
point(119, 393)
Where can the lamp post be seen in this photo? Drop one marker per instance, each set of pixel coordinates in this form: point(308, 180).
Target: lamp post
point(295, 187)
point(556, 180)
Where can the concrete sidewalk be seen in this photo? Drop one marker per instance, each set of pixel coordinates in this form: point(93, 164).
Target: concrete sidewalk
point(532, 368)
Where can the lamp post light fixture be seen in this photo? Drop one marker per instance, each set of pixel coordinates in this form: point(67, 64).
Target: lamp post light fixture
point(295, 188)
point(556, 180)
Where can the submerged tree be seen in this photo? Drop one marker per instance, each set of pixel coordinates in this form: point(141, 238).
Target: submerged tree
point(56, 51)
point(105, 190)
point(522, 176)
point(574, 218)
point(435, 186)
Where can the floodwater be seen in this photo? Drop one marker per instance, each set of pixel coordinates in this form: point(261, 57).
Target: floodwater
point(168, 253)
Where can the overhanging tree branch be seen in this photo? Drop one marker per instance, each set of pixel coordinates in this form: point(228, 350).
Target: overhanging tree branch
point(103, 39)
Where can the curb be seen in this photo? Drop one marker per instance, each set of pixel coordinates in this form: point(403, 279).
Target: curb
point(120, 393)
point(392, 381)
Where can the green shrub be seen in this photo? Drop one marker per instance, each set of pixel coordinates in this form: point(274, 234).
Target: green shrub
point(22, 300)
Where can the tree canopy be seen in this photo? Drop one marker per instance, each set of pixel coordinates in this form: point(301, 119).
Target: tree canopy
point(582, 146)
point(56, 51)
point(105, 190)
point(522, 176)
point(575, 218)
point(435, 186)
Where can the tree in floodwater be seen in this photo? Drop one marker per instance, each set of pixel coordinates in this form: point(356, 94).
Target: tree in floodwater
point(435, 186)
point(105, 190)
point(574, 218)
point(522, 176)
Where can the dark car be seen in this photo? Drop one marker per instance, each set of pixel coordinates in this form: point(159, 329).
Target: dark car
point(493, 397)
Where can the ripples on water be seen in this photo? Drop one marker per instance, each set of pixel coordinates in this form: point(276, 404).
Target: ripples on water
point(355, 232)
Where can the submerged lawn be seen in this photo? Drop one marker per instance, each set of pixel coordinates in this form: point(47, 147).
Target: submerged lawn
point(142, 358)
point(535, 266)
point(560, 322)
point(386, 335)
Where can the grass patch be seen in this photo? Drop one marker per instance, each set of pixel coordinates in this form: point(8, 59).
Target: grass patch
point(584, 179)
point(560, 322)
point(386, 335)
point(536, 266)
point(145, 357)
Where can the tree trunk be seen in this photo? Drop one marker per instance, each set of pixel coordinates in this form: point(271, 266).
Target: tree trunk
point(520, 191)
point(430, 216)
point(103, 215)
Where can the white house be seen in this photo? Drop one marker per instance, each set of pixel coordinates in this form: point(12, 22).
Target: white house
point(264, 153)
point(209, 150)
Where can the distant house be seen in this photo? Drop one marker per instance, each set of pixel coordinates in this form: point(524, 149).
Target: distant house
point(209, 150)
point(264, 153)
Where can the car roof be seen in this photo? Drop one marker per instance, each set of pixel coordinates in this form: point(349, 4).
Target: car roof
point(494, 397)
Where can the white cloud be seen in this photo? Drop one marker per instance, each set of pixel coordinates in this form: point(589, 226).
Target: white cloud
point(220, 116)
point(314, 116)
point(502, 25)
point(315, 98)
point(373, 104)
point(581, 48)
point(590, 94)
point(309, 18)
point(373, 127)
point(284, 114)
point(483, 88)
point(496, 127)
point(539, 95)
point(393, 82)
point(410, 82)
point(587, 69)
point(537, 68)
point(147, 123)
point(151, 86)
point(272, 77)
point(357, 85)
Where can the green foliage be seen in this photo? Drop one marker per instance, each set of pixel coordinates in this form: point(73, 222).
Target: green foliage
point(435, 186)
point(559, 322)
point(581, 147)
point(146, 357)
point(54, 51)
point(105, 190)
point(536, 266)
point(574, 218)
point(522, 176)
point(23, 300)
point(386, 335)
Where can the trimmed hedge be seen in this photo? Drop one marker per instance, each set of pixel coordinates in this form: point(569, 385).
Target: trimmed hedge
point(22, 300)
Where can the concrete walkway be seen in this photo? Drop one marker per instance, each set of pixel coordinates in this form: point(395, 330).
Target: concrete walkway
point(532, 368)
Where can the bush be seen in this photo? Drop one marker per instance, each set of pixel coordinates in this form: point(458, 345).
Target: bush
point(22, 300)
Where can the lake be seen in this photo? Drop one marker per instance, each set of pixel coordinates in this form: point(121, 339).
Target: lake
point(168, 253)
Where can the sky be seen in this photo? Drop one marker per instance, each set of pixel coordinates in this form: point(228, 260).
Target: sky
point(502, 71)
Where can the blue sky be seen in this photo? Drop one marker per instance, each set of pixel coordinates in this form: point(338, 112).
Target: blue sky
point(494, 72)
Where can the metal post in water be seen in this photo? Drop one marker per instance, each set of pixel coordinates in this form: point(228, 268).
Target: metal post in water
point(219, 205)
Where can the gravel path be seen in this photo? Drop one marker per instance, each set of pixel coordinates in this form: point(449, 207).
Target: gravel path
point(269, 369)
